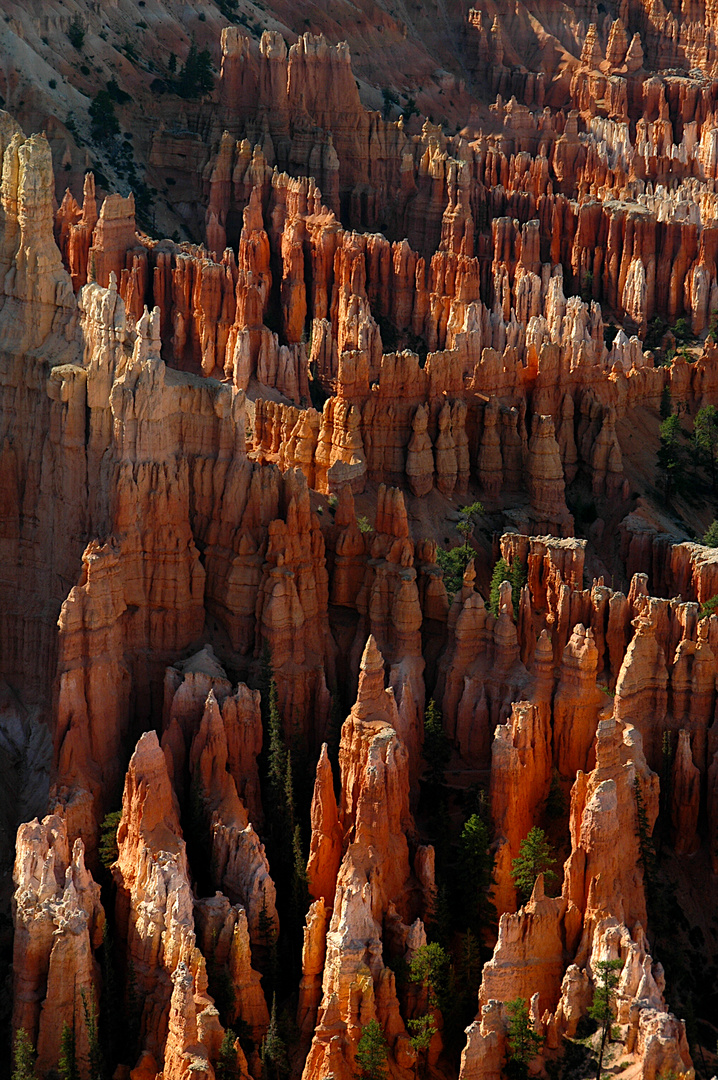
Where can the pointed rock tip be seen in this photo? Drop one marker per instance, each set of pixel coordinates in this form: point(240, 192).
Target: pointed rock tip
point(538, 892)
point(372, 660)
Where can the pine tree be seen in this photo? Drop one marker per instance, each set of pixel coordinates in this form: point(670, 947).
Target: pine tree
point(372, 1053)
point(267, 933)
point(23, 1056)
point(535, 857)
point(300, 883)
point(705, 438)
point(645, 846)
point(556, 802)
point(430, 968)
point(477, 874)
point(274, 1050)
point(421, 1031)
point(277, 754)
point(227, 1067)
point(501, 573)
point(670, 456)
point(524, 1042)
point(195, 78)
point(67, 1065)
point(266, 677)
point(89, 1008)
point(711, 537)
point(436, 750)
point(108, 838)
point(517, 577)
point(666, 777)
point(666, 406)
point(470, 966)
point(601, 1009)
point(441, 922)
point(289, 812)
point(467, 520)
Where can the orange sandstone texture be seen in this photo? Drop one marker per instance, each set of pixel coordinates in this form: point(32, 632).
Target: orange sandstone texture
point(217, 453)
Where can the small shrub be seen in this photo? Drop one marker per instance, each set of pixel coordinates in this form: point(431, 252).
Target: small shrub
point(710, 607)
point(710, 539)
point(121, 97)
point(682, 331)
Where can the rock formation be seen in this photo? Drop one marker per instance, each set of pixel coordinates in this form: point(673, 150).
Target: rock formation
point(434, 262)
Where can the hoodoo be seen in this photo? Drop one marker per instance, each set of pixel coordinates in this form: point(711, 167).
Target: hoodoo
point(358, 541)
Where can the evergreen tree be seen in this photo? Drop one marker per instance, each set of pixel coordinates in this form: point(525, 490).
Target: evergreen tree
point(289, 813)
point(266, 675)
point(267, 933)
point(275, 1065)
point(227, 1067)
point(501, 573)
point(372, 1053)
point(108, 838)
point(276, 754)
point(467, 521)
point(535, 857)
point(477, 866)
point(421, 1031)
point(601, 1009)
point(300, 883)
point(67, 1065)
point(666, 777)
point(710, 607)
point(23, 1057)
point(453, 564)
point(670, 456)
point(436, 750)
point(103, 121)
point(666, 407)
point(517, 577)
point(89, 1008)
point(645, 846)
point(470, 967)
point(524, 1042)
point(430, 967)
point(705, 438)
point(556, 803)
point(196, 77)
point(711, 537)
point(441, 923)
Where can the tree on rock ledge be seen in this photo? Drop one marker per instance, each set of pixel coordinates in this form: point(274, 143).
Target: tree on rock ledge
point(535, 857)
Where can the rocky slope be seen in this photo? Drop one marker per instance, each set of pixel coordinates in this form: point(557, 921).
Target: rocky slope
point(271, 737)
